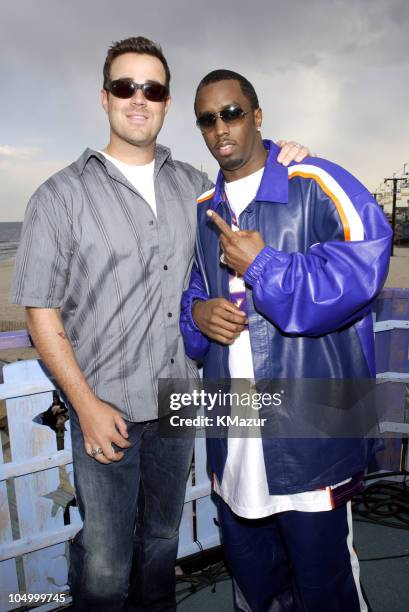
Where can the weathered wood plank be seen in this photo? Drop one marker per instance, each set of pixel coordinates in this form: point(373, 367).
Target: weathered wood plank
point(381, 326)
point(8, 571)
point(37, 464)
point(201, 475)
point(44, 570)
point(22, 388)
point(402, 377)
point(52, 606)
point(15, 339)
point(23, 546)
point(197, 491)
point(186, 525)
point(75, 518)
point(34, 466)
point(193, 547)
point(207, 531)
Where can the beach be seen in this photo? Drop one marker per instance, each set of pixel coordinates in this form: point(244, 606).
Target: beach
point(12, 317)
point(399, 268)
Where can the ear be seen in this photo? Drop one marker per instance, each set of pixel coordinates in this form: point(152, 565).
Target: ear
point(104, 99)
point(258, 118)
point(167, 103)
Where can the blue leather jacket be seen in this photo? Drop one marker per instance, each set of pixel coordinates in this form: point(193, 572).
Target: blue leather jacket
point(309, 295)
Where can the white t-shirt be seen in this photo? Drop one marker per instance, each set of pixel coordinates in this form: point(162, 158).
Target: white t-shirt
point(141, 177)
point(239, 194)
point(244, 485)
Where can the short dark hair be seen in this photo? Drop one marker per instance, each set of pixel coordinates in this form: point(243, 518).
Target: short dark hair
point(229, 75)
point(135, 44)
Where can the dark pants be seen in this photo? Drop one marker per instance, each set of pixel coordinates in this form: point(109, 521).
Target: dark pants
point(131, 509)
point(293, 561)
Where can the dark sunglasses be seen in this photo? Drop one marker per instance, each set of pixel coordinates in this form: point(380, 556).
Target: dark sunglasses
point(231, 114)
point(126, 88)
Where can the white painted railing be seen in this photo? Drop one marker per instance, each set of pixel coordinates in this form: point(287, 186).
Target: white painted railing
point(33, 537)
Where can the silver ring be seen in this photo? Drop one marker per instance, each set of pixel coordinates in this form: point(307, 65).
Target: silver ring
point(97, 451)
point(223, 259)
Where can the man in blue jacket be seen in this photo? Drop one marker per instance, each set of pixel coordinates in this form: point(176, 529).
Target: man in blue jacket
point(288, 262)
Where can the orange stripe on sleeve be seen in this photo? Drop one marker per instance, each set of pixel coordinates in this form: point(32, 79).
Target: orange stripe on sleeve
point(205, 198)
point(344, 221)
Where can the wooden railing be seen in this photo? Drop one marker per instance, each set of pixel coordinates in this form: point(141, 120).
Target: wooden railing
point(33, 536)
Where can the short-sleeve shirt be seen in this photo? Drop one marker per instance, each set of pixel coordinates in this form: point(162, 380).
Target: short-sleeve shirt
point(92, 247)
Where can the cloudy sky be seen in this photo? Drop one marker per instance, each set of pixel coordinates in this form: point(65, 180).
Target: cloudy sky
point(330, 73)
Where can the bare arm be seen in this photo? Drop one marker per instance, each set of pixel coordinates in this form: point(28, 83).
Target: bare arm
point(101, 424)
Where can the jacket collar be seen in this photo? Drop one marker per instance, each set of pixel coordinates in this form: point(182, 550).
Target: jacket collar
point(273, 185)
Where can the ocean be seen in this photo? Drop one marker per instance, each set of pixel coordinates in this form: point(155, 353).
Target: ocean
point(9, 237)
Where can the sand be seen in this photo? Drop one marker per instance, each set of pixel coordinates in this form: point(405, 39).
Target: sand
point(12, 317)
point(399, 268)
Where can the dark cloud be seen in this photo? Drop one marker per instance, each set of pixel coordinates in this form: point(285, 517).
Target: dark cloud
point(333, 74)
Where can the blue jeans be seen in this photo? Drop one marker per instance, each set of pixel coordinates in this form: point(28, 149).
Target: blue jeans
point(124, 556)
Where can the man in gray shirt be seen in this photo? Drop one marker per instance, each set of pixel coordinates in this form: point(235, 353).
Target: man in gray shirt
point(105, 254)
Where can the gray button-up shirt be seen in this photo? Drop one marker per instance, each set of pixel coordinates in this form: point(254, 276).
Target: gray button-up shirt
point(92, 246)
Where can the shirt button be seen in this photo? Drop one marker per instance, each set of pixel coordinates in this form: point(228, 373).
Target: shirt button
point(169, 314)
point(150, 222)
point(172, 360)
point(165, 267)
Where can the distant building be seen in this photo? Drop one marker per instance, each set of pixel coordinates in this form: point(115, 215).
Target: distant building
point(384, 196)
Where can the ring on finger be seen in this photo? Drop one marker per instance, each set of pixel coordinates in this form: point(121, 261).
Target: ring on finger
point(223, 259)
point(97, 451)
